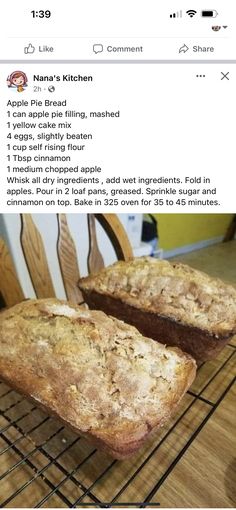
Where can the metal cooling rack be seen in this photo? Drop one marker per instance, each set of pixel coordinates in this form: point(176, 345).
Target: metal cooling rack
point(43, 464)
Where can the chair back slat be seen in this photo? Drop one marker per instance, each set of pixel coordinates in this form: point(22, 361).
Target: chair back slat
point(10, 287)
point(117, 234)
point(68, 261)
point(36, 260)
point(35, 257)
point(95, 259)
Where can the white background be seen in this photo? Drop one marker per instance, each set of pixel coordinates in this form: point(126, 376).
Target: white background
point(171, 124)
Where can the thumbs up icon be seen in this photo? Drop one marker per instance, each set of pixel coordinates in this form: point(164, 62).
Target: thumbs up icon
point(29, 49)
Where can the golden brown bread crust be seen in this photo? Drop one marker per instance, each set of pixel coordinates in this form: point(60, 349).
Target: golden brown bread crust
point(96, 374)
point(184, 306)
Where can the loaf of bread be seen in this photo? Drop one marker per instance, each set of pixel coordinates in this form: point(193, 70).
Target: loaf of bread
point(169, 302)
point(99, 376)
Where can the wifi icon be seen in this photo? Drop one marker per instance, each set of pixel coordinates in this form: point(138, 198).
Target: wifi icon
point(191, 13)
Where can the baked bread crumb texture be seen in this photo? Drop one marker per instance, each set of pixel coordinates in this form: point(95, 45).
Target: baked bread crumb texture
point(94, 372)
point(172, 290)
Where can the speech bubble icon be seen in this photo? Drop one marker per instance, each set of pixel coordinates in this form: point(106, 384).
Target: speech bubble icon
point(98, 48)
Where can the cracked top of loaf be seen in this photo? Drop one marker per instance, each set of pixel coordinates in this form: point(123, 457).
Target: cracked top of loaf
point(94, 372)
point(172, 290)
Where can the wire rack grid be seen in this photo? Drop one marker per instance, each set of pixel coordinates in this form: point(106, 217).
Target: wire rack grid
point(43, 464)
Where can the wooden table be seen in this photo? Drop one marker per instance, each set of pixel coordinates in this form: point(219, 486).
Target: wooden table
point(191, 462)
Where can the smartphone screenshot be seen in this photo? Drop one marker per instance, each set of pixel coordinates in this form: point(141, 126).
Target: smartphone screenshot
point(117, 254)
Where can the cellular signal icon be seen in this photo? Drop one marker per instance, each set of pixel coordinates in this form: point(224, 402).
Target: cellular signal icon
point(177, 14)
point(191, 13)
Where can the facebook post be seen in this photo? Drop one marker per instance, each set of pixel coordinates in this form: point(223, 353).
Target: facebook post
point(97, 136)
point(117, 255)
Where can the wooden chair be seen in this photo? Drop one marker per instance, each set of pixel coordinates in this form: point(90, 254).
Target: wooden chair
point(36, 259)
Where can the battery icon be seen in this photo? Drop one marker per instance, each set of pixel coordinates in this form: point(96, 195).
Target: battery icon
point(209, 14)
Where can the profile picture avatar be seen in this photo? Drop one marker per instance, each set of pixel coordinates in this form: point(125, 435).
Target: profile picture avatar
point(17, 80)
